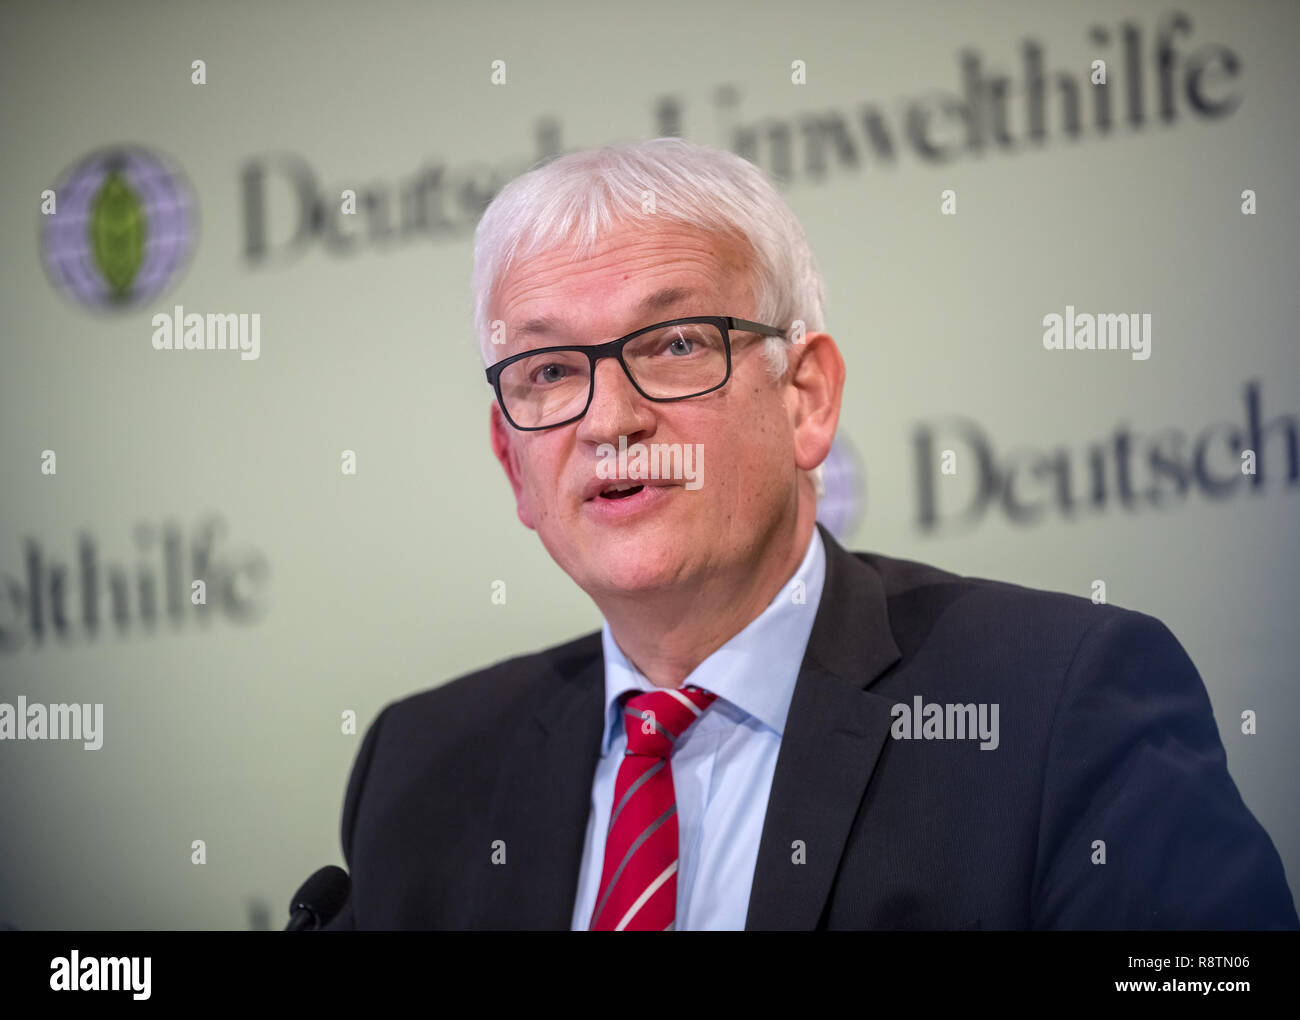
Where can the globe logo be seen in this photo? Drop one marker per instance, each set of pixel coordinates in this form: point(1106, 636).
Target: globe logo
point(841, 508)
point(123, 228)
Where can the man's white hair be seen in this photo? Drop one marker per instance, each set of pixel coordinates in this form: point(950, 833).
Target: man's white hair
point(577, 198)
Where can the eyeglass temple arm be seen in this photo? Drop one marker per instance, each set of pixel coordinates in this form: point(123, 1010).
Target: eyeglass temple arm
point(753, 327)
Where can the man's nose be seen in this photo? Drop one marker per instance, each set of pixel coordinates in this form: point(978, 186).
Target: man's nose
point(617, 409)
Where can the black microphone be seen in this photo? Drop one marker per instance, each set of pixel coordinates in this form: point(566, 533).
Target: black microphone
point(318, 899)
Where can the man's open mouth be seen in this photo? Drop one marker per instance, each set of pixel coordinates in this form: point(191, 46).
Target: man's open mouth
point(621, 491)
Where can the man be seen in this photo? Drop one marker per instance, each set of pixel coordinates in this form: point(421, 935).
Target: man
point(753, 738)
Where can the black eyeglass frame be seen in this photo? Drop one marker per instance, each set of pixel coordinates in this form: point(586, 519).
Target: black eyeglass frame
point(614, 349)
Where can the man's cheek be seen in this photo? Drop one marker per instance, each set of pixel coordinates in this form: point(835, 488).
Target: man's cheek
point(527, 504)
point(540, 501)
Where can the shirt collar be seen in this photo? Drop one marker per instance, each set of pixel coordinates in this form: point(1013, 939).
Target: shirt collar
point(756, 670)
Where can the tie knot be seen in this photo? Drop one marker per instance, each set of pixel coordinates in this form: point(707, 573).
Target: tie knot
point(655, 719)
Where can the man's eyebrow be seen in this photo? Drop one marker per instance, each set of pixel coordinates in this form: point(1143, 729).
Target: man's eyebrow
point(546, 324)
point(665, 298)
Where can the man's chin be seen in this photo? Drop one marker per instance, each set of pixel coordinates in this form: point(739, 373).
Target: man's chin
point(635, 566)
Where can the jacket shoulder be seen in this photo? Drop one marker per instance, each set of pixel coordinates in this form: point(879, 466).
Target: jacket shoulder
point(917, 592)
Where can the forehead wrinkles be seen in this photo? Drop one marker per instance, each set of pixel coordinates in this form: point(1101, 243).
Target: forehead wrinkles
point(707, 263)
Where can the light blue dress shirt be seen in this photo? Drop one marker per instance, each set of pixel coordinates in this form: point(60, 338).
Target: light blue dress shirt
point(723, 765)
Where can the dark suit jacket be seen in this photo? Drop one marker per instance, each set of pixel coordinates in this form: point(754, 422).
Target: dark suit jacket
point(1106, 733)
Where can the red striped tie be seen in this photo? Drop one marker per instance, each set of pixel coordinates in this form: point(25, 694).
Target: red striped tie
point(638, 888)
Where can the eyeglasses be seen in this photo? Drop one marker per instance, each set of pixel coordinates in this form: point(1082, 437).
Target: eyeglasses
point(673, 360)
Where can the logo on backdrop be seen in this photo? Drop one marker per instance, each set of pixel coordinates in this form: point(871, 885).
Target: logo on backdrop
point(121, 228)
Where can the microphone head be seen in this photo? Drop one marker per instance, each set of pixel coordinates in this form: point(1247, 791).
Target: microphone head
point(323, 894)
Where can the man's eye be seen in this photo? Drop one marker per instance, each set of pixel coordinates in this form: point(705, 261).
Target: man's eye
point(550, 373)
point(681, 345)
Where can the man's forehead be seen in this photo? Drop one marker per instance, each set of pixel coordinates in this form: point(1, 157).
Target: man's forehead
point(657, 273)
point(659, 302)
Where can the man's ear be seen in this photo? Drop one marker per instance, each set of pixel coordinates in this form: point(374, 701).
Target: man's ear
point(816, 387)
point(502, 434)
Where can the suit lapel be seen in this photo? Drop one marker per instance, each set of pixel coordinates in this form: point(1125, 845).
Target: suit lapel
point(542, 800)
point(833, 737)
point(832, 740)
